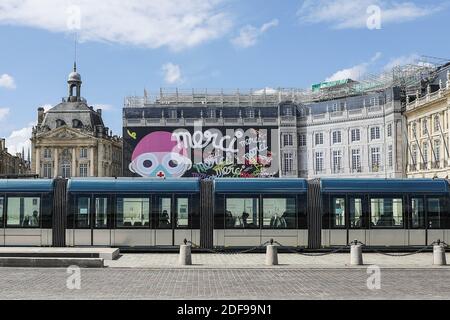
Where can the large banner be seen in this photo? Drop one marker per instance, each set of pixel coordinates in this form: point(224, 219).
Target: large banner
point(204, 152)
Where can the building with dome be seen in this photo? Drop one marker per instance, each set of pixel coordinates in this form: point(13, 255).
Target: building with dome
point(71, 140)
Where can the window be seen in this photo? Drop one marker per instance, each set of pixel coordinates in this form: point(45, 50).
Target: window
point(165, 213)
point(279, 213)
point(356, 160)
point(338, 212)
point(83, 212)
point(66, 169)
point(173, 114)
point(436, 213)
point(319, 162)
point(302, 140)
point(375, 133)
point(319, 138)
point(337, 137)
point(376, 159)
point(389, 130)
point(374, 101)
point(101, 213)
point(23, 212)
point(417, 213)
point(414, 128)
point(48, 170)
point(425, 154)
point(335, 107)
point(437, 124)
point(47, 153)
point(437, 150)
point(83, 153)
point(356, 213)
point(288, 140)
point(414, 155)
point(288, 112)
point(83, 170)
point(425, 126)
point(386, 212)
point(356, 135)
point(337, 161)
point(133, 212)
point(390, 156)
point(182, 217)
point(288, 162)
point(212, 113)
point(251, 113)
point(242, 213)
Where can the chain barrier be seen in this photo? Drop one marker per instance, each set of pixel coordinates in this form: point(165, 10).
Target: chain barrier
point(290, 249)
point(225, 251)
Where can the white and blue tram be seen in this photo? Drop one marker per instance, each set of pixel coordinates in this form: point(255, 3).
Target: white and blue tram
point(154, 214)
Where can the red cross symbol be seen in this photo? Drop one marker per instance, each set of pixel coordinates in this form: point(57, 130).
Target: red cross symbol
point(160, 174)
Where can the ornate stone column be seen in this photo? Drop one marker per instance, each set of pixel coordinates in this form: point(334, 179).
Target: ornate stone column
point(74, 162)
point(56, 163)
point(92, 164)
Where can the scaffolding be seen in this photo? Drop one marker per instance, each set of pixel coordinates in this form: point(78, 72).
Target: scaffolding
point(410, 78)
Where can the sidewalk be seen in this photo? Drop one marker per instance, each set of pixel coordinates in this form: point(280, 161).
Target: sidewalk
point(286, 260)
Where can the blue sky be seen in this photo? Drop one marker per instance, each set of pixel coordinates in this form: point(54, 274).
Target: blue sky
point(229, 44)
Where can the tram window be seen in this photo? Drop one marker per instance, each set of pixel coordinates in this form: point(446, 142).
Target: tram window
point(2, 201)
point(164, 213)
point(338, 213)
point(133, 212)
point(387, 212)
point(279, 213)
point(302, 217)
point(356, 213)
point(101, 213)
point(417, 213)
point(436, 213)
point(83, 212)
point(182, 217)
point(23, 212)
point(242, 213)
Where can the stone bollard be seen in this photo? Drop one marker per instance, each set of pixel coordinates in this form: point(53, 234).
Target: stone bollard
point(439, 258)
point(271, 254)
point(185, 258)
point(356, 257)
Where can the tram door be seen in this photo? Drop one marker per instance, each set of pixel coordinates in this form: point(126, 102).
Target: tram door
point(172, 220)
point(358, 216)
point(91, 225)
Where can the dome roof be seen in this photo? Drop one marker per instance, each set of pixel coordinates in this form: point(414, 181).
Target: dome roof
point(74, 76)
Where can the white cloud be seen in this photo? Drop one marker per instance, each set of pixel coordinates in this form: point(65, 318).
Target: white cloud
point(6, 81)
point(172, 73)
point(47, 107)
point(249, 35)
point(355, 72)
point(401, 61)
point(177, 24)
point(343, 14)
point(19, 139)
point(4, 112)
point(104, 107)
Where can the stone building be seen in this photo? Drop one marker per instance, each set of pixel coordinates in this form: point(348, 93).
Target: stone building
point(12, 165)
point(71, 140)
point(428, 117)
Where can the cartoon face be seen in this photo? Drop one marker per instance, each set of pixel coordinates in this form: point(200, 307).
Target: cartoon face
point(160, 155)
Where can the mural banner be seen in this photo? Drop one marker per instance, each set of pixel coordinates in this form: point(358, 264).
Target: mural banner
point(203, 152)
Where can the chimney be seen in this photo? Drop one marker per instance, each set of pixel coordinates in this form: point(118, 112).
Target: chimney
point(41, 113)
point(2, 144)
point(99, 111)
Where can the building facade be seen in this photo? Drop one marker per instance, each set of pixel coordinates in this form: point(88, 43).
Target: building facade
point(12, 165)
point(71, 140)
point(428, 118)
point(262, 134)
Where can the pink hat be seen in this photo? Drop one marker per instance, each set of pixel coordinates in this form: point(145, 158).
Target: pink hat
point(160, 141)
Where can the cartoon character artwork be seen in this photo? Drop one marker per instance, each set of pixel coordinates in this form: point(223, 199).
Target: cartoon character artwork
point(160, 155)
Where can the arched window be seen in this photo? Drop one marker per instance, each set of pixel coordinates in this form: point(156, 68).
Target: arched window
point(77, 123)
point(60, 123)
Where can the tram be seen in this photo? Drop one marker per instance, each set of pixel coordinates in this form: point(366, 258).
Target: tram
point(149, 214)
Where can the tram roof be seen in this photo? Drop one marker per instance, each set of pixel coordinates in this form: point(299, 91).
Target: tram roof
point(134, 185)
point(385, 185)
point(275, 185)
point(26, 185)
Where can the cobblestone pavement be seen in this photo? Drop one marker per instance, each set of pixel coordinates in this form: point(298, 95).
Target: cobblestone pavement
point(423, 260)
point(242, 284)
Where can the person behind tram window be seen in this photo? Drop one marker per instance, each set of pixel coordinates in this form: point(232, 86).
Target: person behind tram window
point(164, 220)
point(229, 220)
point(245, 216)
point(34, 219)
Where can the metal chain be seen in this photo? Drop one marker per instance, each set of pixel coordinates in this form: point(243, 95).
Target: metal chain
point(439, 243)
point(312, 254)
point(228, 252)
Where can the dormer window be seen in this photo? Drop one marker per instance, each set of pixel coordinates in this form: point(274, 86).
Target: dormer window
point(251, 113)
point(60, 123)
point(77, 124)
